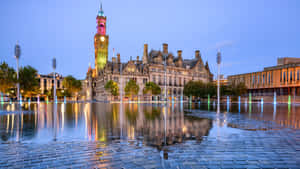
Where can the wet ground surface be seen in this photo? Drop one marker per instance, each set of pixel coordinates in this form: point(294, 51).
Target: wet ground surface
point(144, 136)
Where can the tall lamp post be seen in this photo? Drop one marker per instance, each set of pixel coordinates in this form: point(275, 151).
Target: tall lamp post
point(165, 77)
point(17, 55)
point(218, 79)
point(54, 78)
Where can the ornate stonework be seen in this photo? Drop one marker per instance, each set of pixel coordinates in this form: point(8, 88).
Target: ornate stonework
point(151, 67)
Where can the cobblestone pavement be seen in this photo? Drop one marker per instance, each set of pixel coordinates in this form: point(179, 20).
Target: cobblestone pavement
point(224, 147)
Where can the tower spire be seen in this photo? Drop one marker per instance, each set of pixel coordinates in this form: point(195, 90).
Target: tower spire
point(101, 12)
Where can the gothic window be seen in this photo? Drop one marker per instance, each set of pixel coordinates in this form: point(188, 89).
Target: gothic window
point(283, 76)
point(291, 76)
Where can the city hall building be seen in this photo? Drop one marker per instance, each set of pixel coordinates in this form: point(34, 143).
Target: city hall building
point(284, 78)
point(161, 67)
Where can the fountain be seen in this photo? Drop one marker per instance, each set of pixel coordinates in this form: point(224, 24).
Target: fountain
point(65, 100)
point(227, 103)
point(38, 99)
point(181, 98)
point(274, 112)
point(2, 101)
point(20, 101)
point(47, 100)
point(10, 102)
point(289, 100)
point(250, 98)
point(262, 105)
point(208, 99)
point(29, 101)
point(274, 98)
point(190, 99)
point(239, 103)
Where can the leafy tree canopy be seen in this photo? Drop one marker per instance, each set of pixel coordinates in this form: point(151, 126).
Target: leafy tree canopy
point(7, 77)
point(112, 87)
point(131, 88)
point(152, 88)
point(71, 84)
point(28, 80)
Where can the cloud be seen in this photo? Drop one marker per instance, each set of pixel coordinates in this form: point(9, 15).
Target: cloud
point(222, 44)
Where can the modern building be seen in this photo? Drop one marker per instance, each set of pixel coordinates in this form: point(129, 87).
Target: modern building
point(223, 81)
point(284, 78)
point(47, 82)
point(151, 67)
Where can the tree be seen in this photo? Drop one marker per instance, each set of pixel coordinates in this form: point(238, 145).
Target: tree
point(7, 77)
point(152, 89)
point(61, 93)
point(28, 80)
point(112, 87)
point(72, 85)
point(199, 89)
point(239, 89)
point(131, 88)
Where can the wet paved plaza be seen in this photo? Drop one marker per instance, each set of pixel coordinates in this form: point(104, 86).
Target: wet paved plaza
point(98, 135)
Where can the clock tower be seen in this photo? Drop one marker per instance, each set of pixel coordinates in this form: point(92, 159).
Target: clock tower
point(101, 42)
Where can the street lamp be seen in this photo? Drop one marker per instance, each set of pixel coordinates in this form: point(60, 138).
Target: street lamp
point(54, 78)
point(17, 56)
point(165, 67)
point(218, 79)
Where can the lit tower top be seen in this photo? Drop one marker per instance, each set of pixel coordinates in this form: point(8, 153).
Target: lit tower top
point(101, 22)
point(101, 12)
point(101, 42)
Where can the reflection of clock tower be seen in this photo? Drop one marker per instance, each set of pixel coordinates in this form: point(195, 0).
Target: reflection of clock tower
point(101, 42)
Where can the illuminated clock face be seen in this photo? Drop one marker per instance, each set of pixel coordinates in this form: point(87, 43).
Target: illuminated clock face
point(102, 39)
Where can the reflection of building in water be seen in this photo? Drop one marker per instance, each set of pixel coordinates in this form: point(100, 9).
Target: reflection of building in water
point(147, 123)
point(106, 122)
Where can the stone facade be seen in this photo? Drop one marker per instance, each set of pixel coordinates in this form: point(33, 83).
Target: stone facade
point(46, 82)
point(151, 67)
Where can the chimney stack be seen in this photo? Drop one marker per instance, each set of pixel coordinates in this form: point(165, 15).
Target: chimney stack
point(179, 53)
point(145, 50)
point(114, 60)
point(145, 55)
point(197, 54)
point(119, 57)
point(165, 48)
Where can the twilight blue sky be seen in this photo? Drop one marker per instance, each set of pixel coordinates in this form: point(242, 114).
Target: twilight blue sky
point(252, 33)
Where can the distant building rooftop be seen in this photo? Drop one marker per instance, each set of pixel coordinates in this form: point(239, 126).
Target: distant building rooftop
point(287, 60)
